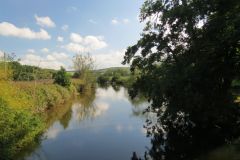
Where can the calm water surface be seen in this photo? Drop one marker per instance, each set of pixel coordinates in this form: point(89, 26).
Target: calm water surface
point(104, 125)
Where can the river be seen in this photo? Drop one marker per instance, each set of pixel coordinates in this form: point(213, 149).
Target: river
point(105, 124)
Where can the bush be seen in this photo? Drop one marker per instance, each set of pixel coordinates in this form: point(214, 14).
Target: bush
point(102, 79)
point(18, 129)
point(62, 78)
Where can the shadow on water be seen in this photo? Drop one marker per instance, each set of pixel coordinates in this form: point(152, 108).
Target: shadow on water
point(181, 139)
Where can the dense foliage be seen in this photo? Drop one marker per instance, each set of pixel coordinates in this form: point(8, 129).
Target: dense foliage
point(62, 78)
point(188, 55)
point(115, 76)
point(28, 73)
point(18, 129)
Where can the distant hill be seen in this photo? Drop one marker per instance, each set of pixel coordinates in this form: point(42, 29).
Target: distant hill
point(112, 69)
point(102, 71)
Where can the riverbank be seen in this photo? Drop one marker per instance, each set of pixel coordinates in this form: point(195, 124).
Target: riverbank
point(21, 107)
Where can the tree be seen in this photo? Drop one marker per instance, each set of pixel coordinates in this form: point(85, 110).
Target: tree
point(189, 56)
point(83, 64)
point(5, 67)
point(62, 78)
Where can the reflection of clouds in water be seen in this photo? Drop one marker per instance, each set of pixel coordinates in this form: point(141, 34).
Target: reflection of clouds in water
point(82, 112)
point(120, 128)
point(101, 107)
point(110, 93)
point(53, 132)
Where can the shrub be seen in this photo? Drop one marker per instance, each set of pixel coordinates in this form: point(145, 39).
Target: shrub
point(62, 78)
point(18, 129)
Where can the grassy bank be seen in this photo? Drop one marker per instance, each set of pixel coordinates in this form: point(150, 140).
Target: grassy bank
point(21, 106)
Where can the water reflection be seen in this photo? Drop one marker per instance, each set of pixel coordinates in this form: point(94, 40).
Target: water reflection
point(100, 124)
point(177, 148)
point(107, 124)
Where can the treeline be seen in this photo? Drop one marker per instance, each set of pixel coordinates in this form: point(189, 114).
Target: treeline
point(28, 73)
point(115, 76)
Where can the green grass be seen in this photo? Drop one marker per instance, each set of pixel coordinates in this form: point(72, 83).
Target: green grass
point(18, 129)
point(21, 107)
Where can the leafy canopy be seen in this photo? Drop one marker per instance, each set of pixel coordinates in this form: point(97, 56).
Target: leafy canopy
point(188, 55)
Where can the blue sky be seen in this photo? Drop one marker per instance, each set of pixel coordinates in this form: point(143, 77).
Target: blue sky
point(49, 33)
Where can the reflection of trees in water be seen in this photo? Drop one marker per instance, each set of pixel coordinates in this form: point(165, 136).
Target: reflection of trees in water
point(174, 146)
point(116, 87)
point(182, 139)
point(139, 105)
point(64, 121)
point(87, 97)
point(63, 113)
point(85, 106)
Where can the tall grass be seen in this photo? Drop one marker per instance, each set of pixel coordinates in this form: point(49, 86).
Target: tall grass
point(18, 129)
point(21, 105)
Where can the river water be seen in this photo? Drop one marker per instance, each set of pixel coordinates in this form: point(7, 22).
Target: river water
point(105, 124)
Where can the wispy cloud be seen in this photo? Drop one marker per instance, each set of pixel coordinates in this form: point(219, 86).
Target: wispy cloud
point(126, 21)
point(60, 39)
point(92, 21)
point(31, 51)
point(116, 21)
point(65, 27)
point(72, 9)
point(45, 50)
point(44, 21)
point(8, 29)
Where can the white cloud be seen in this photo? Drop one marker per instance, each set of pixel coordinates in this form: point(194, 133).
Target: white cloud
point(112, 94)
point(53, 132)
point(126, 21)
point(76, 38)
point(57, 56)
point(1, 54)
point(113, 59)
point(51, 61)
point(60, 39)
point(114, 21)
point(92, 21)
point(8, 29)
point(72, 9)
point(101, 107)
point(65, 27)
point(74, 47)
point(45, 50)
point(45, 21)
point(31, 51)
point(81, 44)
